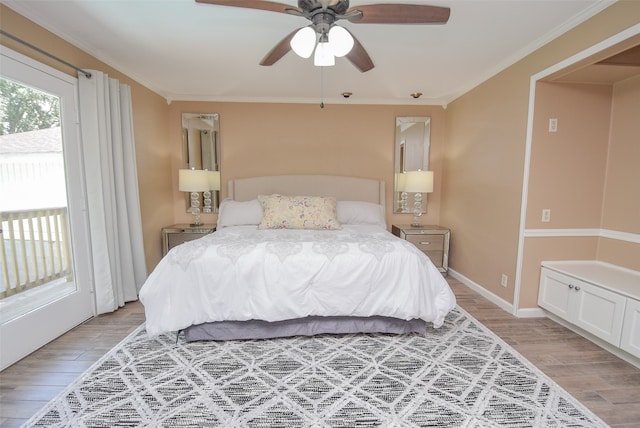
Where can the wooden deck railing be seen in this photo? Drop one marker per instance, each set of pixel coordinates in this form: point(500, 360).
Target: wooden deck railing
point(35, 249)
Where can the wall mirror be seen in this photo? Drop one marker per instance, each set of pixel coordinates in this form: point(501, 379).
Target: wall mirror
point(201, 150)
point(411, 154)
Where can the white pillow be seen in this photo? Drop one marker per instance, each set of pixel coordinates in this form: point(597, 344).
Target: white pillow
point(236, 213)
point(357, 212)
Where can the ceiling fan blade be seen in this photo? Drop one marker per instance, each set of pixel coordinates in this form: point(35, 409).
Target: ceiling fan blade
point(359, 56)
point(254, 4)
point(279, 50)
point(399, 14)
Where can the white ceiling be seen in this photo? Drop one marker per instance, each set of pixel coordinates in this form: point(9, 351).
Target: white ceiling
point(184, 50)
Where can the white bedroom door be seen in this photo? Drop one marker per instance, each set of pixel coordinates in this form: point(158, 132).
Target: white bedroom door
point(45, 287)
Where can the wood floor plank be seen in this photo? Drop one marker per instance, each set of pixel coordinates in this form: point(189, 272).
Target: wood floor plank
point(607, 385)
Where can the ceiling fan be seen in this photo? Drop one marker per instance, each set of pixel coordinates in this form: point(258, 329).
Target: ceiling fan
point(333, 40)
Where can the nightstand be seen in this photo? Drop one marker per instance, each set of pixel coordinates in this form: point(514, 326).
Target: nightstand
point(431, 240)
point(179, 233)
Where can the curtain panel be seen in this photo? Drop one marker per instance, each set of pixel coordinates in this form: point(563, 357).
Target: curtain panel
point(111, 180)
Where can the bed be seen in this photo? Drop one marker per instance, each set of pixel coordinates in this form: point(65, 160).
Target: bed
point(296, 255)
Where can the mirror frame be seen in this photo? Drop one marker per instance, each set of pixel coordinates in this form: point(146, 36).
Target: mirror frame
point(411, 153)
point(198, 153)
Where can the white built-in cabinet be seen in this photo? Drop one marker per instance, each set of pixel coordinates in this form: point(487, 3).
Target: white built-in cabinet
point(601, 299)
point(630, 340)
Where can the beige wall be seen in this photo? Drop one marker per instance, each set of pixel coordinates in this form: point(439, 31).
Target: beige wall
point(621, 205)
point(275, 139)
point(622, 208)
point(568, 167)
point(485, 158)
point(153, 158)
point(149, 116)
point(620, 252)
point(486, 131)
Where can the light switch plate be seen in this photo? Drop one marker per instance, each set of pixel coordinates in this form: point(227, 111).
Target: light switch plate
point(546, 215)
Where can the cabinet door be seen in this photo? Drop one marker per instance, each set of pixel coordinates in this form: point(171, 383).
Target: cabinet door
point(181, 238)
point(555, 293)
point(599, 311)
point(630, 340)
point(435, 257)
point(427, 242)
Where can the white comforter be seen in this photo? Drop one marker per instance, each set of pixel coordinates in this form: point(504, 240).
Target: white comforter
point(241, 273)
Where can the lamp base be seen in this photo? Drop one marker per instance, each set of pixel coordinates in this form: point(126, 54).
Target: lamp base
point(416, 218)
point(195, 209)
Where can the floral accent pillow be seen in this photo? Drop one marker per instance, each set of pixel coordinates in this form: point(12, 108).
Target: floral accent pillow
point(298, 212)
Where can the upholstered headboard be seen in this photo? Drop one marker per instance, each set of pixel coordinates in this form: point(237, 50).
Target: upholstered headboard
point(342, 188)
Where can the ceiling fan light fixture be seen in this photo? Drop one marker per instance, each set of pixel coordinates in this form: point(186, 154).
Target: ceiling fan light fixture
point(340, 41)
point(323, 14)
point(303, 42)
point(324, 55)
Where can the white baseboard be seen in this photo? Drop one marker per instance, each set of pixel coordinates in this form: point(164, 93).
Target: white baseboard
point(503, 304)
point(493, 298)
point(531, 313)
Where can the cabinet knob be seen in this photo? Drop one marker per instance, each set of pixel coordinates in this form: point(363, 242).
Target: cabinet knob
point(577, 288)
point(570, 285)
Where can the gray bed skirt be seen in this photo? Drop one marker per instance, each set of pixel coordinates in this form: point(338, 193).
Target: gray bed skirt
point(308, 326)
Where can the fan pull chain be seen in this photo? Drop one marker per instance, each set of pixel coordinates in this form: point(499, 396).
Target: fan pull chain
point(321, 87)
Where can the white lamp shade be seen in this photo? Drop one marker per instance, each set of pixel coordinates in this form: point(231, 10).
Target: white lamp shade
point(214, 180)
point(303, 42)
point(401, 182)
point(324, 55)
point(193, 180)
point(418, 181)
point(340, 41)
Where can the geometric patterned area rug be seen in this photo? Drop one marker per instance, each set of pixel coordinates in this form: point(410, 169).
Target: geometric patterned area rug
point(460, 375)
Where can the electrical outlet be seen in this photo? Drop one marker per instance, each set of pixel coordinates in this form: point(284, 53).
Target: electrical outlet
point(553, 125)
point(504, 281)
point(546, 215)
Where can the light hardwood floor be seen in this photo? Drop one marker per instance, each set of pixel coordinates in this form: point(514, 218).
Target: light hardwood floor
point(607, 385)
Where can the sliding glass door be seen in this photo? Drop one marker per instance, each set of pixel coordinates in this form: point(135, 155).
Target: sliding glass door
point(45, 287)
